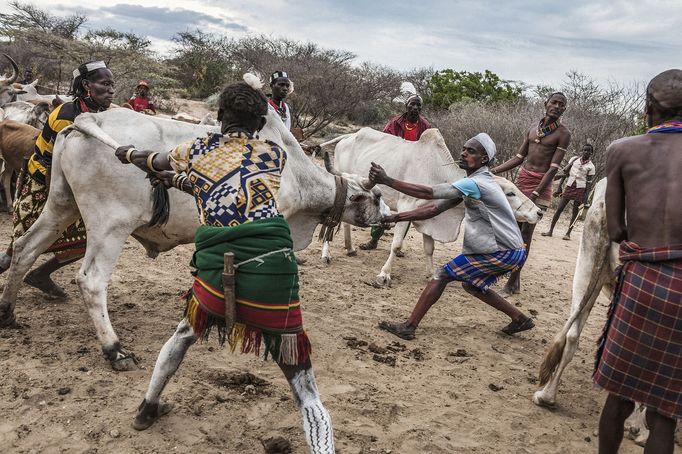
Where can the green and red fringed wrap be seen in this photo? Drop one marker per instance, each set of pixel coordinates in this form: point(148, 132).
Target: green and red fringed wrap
point(266, 289)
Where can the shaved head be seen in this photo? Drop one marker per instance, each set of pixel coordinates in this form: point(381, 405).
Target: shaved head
point(664, 93)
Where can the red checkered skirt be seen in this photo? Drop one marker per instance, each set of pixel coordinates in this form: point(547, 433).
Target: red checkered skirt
point(574, 193)
point(640, 352)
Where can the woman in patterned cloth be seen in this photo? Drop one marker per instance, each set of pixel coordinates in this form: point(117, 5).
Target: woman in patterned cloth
point(93, 91)
point(235, 178)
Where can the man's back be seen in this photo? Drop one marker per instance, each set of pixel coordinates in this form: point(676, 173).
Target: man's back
point(650, 168)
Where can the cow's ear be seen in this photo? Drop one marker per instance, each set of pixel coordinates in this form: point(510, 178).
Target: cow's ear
point(358, 197)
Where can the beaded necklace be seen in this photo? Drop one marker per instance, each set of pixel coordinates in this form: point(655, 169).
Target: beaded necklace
point(666, 126)
point(281, 109)
point(546, 130)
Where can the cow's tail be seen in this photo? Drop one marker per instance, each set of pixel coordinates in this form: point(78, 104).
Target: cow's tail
point(556, 350)
point(160, 199)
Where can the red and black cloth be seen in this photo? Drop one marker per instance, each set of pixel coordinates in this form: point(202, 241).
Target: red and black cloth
point(573, 193)
point(640, 351)
point(402, 127)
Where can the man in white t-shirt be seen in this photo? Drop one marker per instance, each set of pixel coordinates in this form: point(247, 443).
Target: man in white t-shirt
point(579, 171)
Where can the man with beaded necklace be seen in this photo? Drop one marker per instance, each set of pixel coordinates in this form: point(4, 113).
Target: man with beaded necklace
point(541, 154)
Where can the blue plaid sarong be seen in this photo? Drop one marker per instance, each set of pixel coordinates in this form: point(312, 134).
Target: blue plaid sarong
point(483, 270)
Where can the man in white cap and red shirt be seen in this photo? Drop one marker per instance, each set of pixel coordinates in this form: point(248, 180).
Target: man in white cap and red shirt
point(492, 244)
point(410, 125)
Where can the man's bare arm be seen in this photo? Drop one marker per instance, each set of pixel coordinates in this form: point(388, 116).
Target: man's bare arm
point(424, 212)
point(515, 161)
point(143, 159)
point(615, 198)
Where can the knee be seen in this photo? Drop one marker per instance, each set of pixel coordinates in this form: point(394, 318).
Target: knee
point(618, 408)
point(470, 288)
point(655, 419)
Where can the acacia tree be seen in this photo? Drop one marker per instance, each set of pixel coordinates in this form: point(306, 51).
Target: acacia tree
point(448, 87)
point(53, 46)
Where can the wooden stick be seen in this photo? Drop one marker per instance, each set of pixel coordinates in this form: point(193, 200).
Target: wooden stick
point(228, 289)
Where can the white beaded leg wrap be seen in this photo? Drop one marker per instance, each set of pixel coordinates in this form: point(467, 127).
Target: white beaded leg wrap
point(317, 424)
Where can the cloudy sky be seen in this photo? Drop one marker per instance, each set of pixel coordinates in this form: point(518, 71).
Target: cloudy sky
point(531, 41)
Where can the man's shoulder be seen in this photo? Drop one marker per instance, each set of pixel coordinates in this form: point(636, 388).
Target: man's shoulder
point(563, 129)
point(66, 111)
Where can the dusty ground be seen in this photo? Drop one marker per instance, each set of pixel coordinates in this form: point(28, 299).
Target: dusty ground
point(57, 393)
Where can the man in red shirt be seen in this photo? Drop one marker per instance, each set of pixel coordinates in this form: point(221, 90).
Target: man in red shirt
point(141, 102)
point(410, 126)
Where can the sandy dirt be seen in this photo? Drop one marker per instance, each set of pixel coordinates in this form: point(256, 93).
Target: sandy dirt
point(430, 395)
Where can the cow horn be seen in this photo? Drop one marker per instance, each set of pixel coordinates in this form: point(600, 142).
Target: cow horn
point(328, 164)
point(15, 71)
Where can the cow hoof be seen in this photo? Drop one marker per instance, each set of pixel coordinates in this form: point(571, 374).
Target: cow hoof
point(9, 322)
point(124, 362)
point(540, 400)
point(642, 438)
point(353, 253)
point(326, 261)
point(382, 281)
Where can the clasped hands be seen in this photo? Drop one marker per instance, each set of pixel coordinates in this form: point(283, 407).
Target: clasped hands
point(377, 175)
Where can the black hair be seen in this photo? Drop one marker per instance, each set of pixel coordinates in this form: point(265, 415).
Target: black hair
point(244, 101)
point(77, 89)
point(555, 93)
point(589, 145)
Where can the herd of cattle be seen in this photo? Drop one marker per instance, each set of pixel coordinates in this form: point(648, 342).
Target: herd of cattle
point(115, 202)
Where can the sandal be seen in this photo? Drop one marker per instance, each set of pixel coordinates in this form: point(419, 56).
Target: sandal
point(516, 326)
point(402, 330)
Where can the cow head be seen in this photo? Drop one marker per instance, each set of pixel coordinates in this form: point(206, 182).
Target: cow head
point(8, 93)
point(524, 209)
point(364, 205)
point(39, 114)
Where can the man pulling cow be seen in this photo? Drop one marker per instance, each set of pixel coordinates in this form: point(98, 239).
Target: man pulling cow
point(639, 356)
point(235, 179)
point(541, 154)
point(492, 241)
point(579, 171)
point(93, 90)
point(409, 125)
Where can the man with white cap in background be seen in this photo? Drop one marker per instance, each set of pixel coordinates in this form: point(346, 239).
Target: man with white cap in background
point(492, 240)
point(410, 125)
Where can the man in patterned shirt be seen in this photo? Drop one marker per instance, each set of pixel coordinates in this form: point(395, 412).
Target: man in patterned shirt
point(235, 178)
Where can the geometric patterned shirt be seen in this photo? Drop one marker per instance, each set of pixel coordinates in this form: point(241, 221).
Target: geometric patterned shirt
point(235, 177)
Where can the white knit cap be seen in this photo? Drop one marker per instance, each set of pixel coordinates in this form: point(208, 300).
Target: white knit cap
point(487, 143)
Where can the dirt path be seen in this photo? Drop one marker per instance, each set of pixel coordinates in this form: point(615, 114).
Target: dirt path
point(58, 395)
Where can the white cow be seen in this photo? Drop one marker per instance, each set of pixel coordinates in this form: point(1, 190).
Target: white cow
point(114, 202)
point(30, 113)
point(426, 161)
point(594, 273)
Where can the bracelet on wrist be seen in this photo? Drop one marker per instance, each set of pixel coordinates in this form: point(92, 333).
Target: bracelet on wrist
point(150, 162)
point(129, 154)
point(535, 193)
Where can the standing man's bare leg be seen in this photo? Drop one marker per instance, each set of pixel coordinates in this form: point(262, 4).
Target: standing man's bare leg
point(574, 216)
point(557, 214)
point(317, 424)
point(429, 296)
point(513, 285)
point(170, 358)
point(661, 433)
point(613, 416)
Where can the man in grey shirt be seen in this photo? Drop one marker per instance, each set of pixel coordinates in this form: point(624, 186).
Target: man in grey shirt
point(492, 246)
